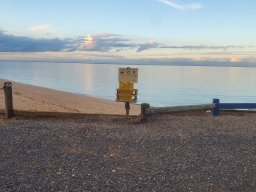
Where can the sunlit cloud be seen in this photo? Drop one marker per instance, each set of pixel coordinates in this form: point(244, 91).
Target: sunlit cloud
point(95, 58)
point(40, 27)
point(235, 59)
point(104, 42)
point(88, 41)
point(179, 6)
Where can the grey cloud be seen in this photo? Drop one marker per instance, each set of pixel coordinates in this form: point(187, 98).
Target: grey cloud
point(105, 43)
point(93, 43)
point(150, 45)
point(11, 43)
point(146, 46)
point(198, 47)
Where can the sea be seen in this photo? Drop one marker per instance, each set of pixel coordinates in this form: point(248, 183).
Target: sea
point(157, 85)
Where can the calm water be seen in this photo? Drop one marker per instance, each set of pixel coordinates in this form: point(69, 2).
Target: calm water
point(158, 85)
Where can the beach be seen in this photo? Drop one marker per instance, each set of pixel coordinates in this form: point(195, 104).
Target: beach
point(115, 153)
point(39, 99)
point(94, 151)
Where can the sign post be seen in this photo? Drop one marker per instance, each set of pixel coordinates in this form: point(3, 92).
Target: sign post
point(126, 92)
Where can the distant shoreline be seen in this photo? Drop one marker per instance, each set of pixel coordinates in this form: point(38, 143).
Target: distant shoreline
point(154, 63)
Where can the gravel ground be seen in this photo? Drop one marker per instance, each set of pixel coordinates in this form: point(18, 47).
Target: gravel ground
point(110, 153)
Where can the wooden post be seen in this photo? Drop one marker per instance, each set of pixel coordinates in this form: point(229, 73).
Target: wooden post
point(127, 108)
point(8, 99)
point(216, 110)
point(144, 106)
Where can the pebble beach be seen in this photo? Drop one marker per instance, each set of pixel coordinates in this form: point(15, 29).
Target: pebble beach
point(107, 152)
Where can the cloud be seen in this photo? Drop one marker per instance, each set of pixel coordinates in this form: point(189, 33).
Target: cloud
point(179, 6)
point(11, 43)
point(108, 42)
point(149, 45)
point(104, 42)
point(40, 27)
point(99, 58)
point(155, 45)
point(93, 43)
point(204, 47)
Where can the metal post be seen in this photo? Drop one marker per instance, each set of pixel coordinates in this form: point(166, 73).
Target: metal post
point(127, 108)
point(8, 99)
point(216, 110)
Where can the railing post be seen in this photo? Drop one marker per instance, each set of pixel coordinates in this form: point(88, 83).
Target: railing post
point(8, 99)
point(127, 108)
point(216, 110)
point(144, 106)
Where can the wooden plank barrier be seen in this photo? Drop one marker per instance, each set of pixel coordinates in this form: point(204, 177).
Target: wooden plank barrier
point(230, 106)
point(215, 108)
point(146, 110)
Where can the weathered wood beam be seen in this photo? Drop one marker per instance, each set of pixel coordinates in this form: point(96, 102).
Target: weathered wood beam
point(174, 109)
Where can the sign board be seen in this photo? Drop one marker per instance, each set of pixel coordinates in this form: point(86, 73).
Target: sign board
point(126, 86)
point(129, 75)
point(127, 95)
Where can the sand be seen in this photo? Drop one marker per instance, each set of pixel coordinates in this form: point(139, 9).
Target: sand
point(39, 99)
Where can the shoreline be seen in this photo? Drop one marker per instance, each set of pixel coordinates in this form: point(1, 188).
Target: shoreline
point(40, 99)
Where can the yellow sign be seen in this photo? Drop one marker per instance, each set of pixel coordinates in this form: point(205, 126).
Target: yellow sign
point(126, 86)
point(123, 95)
point(126, 92)
point(128, 75)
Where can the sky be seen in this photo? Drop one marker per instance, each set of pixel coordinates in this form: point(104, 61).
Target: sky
point(129, 31)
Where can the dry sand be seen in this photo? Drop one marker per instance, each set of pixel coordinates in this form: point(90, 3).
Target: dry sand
point(38, 99)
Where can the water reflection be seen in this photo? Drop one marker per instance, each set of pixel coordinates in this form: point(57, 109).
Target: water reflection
point(158, 85)
point(87, 78)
